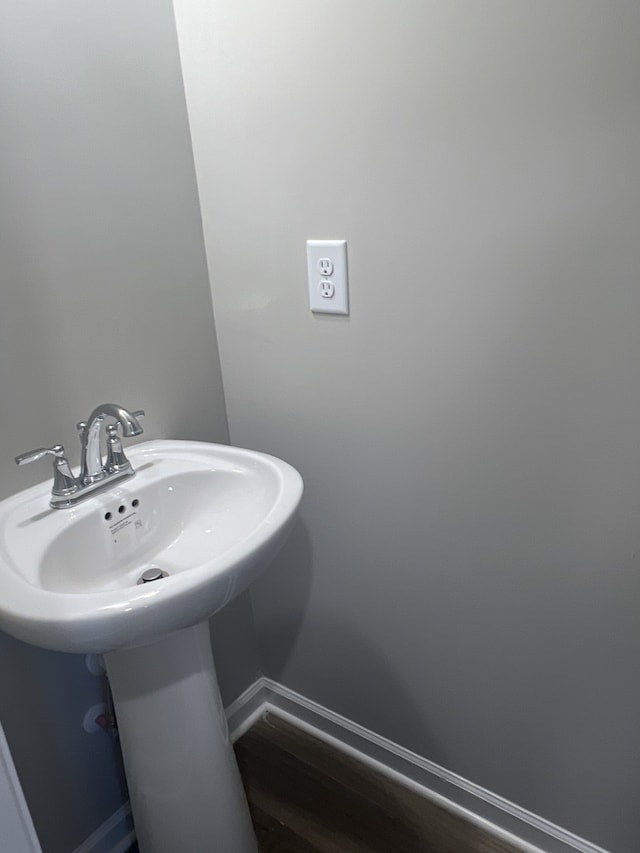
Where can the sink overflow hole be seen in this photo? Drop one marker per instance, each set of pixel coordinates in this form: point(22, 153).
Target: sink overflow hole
point(122, 508)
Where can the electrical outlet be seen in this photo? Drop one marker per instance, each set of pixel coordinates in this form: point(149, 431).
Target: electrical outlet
point(328, 279)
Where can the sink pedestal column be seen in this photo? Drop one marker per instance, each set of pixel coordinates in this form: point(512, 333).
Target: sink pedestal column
point(184, 784)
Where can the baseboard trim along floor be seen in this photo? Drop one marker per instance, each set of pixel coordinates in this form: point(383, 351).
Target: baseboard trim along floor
point(492, 813)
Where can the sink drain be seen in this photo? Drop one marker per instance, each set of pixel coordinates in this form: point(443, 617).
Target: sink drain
point(152, 574)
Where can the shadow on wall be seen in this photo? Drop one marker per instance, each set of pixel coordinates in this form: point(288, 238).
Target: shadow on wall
point(326, 659)
point(235, 648)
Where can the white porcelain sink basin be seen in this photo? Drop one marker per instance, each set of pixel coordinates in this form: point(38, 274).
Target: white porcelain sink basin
point(209, 516)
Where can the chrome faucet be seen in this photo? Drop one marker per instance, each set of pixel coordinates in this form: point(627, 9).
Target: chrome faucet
point(95, 475)
point(91, 467)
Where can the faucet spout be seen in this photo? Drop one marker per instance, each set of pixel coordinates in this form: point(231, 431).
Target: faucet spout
point(91, 467)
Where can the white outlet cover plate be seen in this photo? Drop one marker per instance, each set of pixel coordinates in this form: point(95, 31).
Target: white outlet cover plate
point(336, 252)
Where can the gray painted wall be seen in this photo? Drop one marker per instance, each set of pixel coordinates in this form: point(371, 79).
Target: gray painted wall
point(104, 295)
point(465, 578)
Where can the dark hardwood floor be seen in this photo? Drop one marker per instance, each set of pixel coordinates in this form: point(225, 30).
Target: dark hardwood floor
point(307, 797)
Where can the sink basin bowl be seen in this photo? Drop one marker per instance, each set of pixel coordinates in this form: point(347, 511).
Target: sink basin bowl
point(208, 516)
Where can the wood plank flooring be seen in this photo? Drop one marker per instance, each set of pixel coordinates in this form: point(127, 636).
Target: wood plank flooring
point(307, 797)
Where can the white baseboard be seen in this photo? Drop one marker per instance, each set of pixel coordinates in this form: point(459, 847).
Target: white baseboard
point(496, 815)
point(115, 835)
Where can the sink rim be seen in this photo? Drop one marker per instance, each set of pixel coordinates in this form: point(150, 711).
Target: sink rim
point(103, 620)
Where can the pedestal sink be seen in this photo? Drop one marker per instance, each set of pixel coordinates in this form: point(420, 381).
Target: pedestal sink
point(203, 520)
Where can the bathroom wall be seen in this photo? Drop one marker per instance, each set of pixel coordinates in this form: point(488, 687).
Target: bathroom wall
point(104, 295)
point(465, 578)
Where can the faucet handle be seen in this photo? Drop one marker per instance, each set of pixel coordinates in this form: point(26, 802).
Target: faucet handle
point(33, 455)
point(112, 429)
point(116, 460)
point(64, 483)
